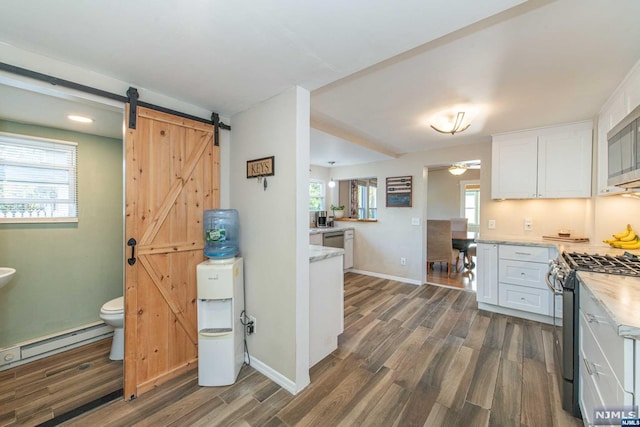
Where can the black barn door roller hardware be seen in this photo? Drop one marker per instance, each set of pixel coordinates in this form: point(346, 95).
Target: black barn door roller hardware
point(131, 98)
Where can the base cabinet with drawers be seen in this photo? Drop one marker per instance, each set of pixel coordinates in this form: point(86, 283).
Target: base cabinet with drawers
point(511, 279)
point(606, 361)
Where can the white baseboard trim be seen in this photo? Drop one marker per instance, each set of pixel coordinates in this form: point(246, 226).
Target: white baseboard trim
point(516, 313)
point(387, 276)
point(450, 287)
point(275, 376)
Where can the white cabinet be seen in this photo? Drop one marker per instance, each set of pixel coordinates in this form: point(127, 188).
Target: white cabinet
point(553, 162)
point(511, 280)
point(521, 279)
point(348, 249)
point(606, 360)
point(624, 100)
point(326, 307)
point(315, 239)
point(487, 257)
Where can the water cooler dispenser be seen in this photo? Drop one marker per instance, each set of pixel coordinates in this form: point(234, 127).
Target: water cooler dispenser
point(220, 333)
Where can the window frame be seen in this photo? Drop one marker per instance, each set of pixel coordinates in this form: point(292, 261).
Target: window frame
point(25, 140)
point(463, 203)
point(323, 198)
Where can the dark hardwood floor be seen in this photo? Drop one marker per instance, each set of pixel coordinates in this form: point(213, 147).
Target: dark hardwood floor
point(39, 391)
point(409, 356)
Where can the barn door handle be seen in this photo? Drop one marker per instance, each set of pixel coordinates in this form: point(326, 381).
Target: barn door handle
point(132, 242)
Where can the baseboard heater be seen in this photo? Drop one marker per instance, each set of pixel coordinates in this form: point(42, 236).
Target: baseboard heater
point(52, 344)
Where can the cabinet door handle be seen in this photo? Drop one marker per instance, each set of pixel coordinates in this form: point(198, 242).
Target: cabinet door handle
point(523, 253)
point(587, 365)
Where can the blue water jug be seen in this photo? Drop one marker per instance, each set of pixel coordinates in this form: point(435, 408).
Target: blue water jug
point(221, 233)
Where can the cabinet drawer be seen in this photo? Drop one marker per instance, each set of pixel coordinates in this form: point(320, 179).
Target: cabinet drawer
point(588, 396)
point(596, 365)
point(523, 273)
point(524, 298)
point(604, 331)
point(524, 253)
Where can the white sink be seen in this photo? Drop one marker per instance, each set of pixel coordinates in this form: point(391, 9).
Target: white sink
point(6, 274)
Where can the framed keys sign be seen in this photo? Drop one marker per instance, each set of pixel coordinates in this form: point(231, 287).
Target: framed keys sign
point(399, 192)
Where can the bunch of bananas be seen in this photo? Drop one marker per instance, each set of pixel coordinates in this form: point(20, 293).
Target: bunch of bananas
point(626, 239)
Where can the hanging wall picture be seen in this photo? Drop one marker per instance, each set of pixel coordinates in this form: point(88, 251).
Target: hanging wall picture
point(399, 192)
point(261, 167)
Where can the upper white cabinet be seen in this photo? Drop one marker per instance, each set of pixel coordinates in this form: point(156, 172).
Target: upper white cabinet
point(622, 102)
point(544, 163)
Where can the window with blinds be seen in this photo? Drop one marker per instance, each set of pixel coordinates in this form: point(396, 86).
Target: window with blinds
point(38, 179)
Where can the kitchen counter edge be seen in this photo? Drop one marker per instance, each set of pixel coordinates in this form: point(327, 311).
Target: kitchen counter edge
point(328, 230)
point(318, 253)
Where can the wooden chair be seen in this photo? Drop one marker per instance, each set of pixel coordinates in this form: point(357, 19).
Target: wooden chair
point(459, 228)
point(439, 248)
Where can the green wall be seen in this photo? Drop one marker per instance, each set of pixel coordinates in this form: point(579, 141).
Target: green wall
point(65, 272)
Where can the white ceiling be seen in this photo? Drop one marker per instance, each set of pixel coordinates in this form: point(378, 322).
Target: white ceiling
point(31, 107)
point(377, 70)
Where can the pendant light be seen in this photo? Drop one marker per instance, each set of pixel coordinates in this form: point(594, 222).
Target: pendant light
point(331, 183)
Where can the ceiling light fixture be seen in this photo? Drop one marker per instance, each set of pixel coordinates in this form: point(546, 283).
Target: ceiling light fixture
point(457, 169)
point(456, 127)
point(80, 119)
point(332, 183)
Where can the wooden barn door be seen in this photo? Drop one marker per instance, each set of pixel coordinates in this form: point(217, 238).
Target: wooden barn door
point(172, 177)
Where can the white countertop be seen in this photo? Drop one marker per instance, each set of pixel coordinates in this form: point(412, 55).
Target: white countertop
point(318, 253)
point(618, 295)
point(581, 247)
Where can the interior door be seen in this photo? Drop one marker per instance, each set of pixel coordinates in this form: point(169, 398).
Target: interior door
point(172, 177)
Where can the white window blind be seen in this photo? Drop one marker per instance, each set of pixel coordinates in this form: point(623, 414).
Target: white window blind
point(38, 179)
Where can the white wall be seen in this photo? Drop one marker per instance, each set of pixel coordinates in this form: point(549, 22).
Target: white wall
point(443, 192)
point(378, 246)
point(274, 235)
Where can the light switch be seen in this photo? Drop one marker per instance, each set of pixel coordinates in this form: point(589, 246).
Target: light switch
point(415, 221)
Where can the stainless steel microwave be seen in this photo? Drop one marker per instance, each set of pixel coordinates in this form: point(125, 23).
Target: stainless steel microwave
point(624, 152)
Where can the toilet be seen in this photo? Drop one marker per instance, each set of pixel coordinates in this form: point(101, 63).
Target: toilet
point(112, 313)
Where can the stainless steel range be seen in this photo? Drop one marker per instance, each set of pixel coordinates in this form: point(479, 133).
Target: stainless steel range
point(562, 280)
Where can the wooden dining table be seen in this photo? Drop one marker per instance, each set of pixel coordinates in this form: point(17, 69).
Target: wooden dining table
point(461, 241)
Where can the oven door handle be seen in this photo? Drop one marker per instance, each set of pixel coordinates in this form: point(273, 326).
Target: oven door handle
point(550, 285)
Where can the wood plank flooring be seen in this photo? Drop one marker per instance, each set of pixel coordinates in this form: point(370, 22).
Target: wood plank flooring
point(465, 279)
point(409, 356)
point(39, 391)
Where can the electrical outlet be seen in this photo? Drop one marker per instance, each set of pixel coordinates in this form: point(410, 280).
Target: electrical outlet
point(415, 221)
point(528, 224)
point(251, 326)
point(491, 224)
point(403, 261)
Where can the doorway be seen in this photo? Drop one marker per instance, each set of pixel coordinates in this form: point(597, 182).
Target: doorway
point(454, 195)
point(66, 270)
